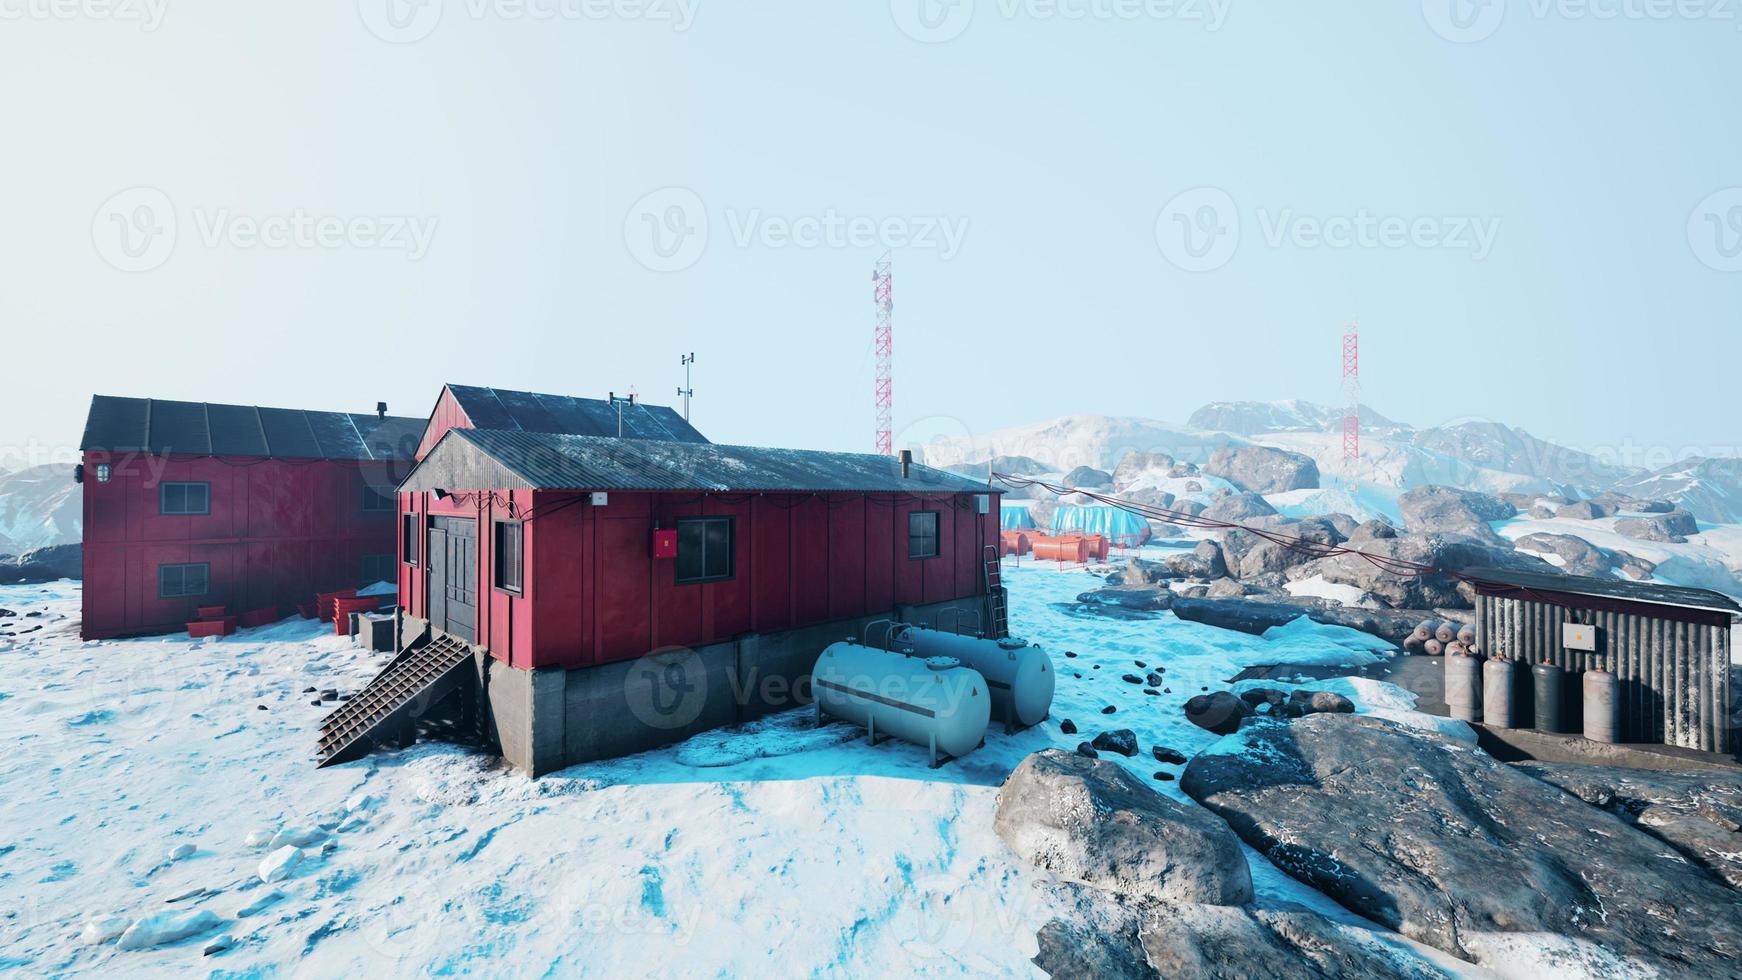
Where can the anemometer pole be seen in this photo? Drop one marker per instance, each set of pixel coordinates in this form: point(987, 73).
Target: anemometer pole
point(686, 391)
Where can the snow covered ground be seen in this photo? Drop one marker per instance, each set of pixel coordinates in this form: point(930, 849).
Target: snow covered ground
point(1711, 559)
point(149, 778)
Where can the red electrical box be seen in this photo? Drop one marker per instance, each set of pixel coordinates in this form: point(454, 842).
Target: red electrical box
point(664, 543)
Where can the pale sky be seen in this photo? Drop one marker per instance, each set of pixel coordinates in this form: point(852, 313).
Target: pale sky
point(323, 204)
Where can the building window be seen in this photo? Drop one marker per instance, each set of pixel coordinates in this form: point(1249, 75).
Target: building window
point(922, 534)
point(704, 549)
point(509, 540)
point(182, 581)
point(378, 568)
point(410, 539)
point(375, 500)
point(184, 499)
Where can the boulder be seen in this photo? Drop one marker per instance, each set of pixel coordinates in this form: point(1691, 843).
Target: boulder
point(1577, 556)
point(1137, 598)
point(1134, 466)
point(1371, 531)
point(1448, 510)
point(1285, 942)
point(1239, 507)
point(1261, 469)
point(1586, 510)
point(1447, 845)
point(1091, 822)
point(1429, 591)
point(1219, 712)
point(1122, 742)
point(1672, 528)
point(1204, 562)
point(43, 565)
point(1088, 476)
point(1697, 812)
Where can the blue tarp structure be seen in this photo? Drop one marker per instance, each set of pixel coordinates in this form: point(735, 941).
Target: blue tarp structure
point(1123, 528)
point(1015, 518)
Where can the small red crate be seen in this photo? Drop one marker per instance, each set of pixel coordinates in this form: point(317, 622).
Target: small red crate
point(307, 610)
point(212, 627)
point(324, 602)
point(344, 606)
point(211, 612)
point(259, 617)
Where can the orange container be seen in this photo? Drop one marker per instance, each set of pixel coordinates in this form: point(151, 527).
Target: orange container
point(1016, 543)
point(1071, 549)
point(1099, 546)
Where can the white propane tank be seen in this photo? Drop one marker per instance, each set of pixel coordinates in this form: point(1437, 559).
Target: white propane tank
point(932, 702)
point(1018, 674)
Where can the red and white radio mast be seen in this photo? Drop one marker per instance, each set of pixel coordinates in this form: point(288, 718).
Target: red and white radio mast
point(1352, 396)
point(882, 291)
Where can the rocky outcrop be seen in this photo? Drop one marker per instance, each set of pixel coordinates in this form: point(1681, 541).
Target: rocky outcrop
point(1448, 846)
point(1577, 556)
point(1448, 510)
point(1585, 510)
point(1088, 476)
point(1699, 813)
point(1286, 942)
point(1238, 508)
point(1092, 822)
point(1220, 712)
point(1427, 591)
point(43, 565)
point(1135, 465)
point(1673, 528)
point(1261, 469)
point(1255, 616)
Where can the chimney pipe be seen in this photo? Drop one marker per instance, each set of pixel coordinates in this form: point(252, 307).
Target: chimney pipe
point(380, 410)
point(906, 462)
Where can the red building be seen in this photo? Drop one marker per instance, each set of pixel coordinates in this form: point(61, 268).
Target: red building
point(188, 504)
point(626, 593)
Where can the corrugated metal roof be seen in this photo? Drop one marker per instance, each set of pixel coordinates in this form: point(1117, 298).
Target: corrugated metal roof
point(150, 425)
point(1648, 592)
point(526, 411)
point(495, 459)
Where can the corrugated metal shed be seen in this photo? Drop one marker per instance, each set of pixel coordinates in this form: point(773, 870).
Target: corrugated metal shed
point(151, 425)
point(493, 459)
point(526, 411)
point(1669, 647)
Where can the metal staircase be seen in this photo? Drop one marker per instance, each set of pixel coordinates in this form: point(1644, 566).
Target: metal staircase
point(994, 580)
point(384, 710)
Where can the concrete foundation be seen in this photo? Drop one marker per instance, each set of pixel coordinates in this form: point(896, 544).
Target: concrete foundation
point(544, 720)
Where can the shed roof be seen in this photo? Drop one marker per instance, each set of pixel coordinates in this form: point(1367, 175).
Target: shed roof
point(1647, 592)
point(529, 411)
point(152, 425)
point(494, 459)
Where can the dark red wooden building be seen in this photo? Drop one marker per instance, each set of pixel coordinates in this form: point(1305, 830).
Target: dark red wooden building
point(188, 504)
point(624, 593)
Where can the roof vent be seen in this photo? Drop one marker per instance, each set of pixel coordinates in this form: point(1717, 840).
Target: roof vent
point(380, 410)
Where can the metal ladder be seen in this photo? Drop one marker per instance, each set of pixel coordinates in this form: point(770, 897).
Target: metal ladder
point(994, 581)
point(415, 679)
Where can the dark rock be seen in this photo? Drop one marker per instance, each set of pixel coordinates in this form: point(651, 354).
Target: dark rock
point(1070, 950)
point(1070, 653)
point(1088, 476)
point(1168, 756)
point(1303, 703)
point(1442, 844)
point(1152, 678)
point(64, 561)
point(1448, 510)
point(1132, 679)
point(1430, 591)
point(1239, 507)
point(1122, 741)
point(1087, 751)
point(1219, 712)
point(1372, 531)
point(1068, 726)
point(1108, 710)
point(1140, 665)
point(1091, 822)
point(1672, 528)
point(1697, 812)
point(1264, 695)
point(1585, 510)
point(1261, 469)
point(1287, 942)
point(1152, 692)
point(1166, 777)
point(1134, 598)
point(1577, 556)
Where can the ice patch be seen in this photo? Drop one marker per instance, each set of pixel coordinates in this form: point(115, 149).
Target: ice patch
point(167, 927)
point(279, 864)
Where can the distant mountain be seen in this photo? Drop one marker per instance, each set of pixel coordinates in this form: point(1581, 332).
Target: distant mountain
point(1493, 446)
point(1064, 444)
point(1260, 418)
point(1709, 489)
point(39, 507)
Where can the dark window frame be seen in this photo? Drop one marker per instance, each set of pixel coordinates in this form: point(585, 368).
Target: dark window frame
point(387, 501)
point(410, 541)
point(497, 578)
point(181, 568)
point(702, 521)
point(936, 536)
point(163, 491)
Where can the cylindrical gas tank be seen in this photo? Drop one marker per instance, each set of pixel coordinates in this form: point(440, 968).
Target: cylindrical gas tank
point(1602, 706)
point(1073, 551)
point(1018, 674)
point(1464, 687)
point(934, 702)
point(1550, 695)
point(1497, 694)
point(1446, 632)
point(1015, 543)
